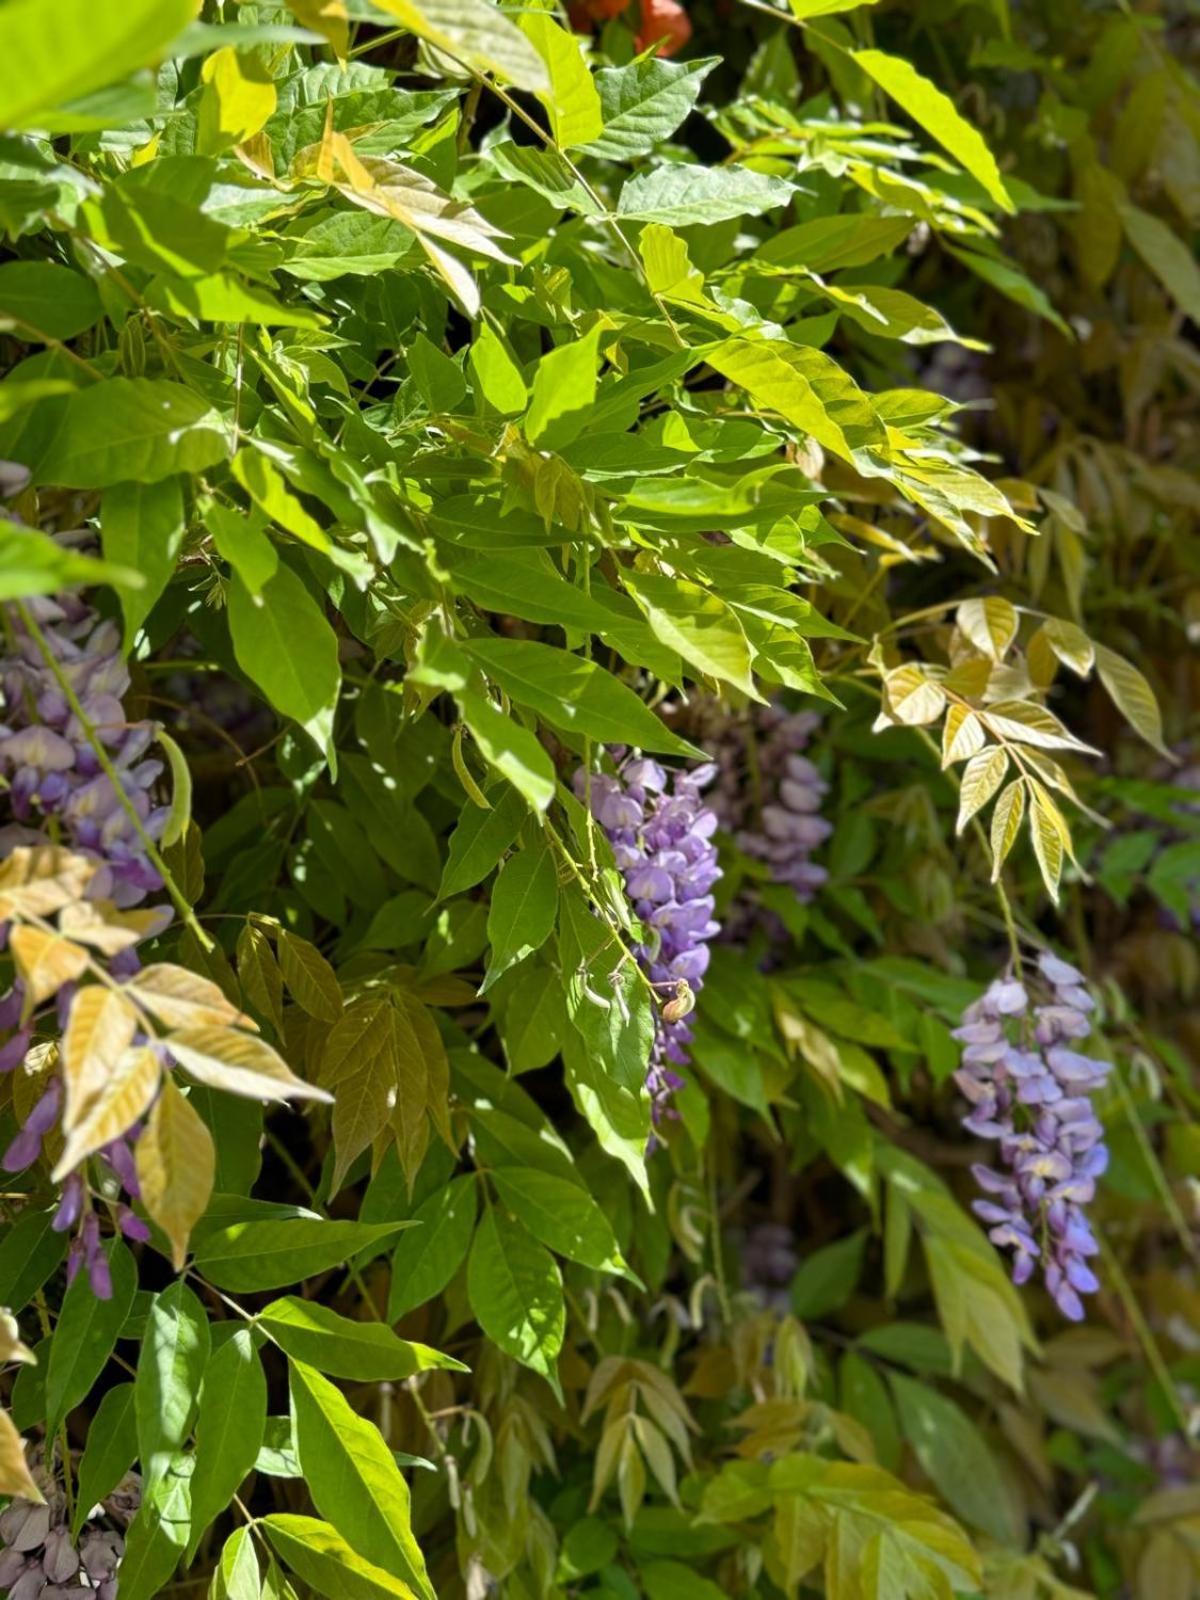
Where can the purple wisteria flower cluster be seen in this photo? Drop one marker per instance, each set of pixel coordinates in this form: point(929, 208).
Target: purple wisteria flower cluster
point(39, 1560)
point(57, 792)
point(1030, 1090)
point(768, 794)
point(661, 833)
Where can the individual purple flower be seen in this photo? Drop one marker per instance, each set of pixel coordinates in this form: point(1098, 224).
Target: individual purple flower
point(1030, 1091)
point(662, 837)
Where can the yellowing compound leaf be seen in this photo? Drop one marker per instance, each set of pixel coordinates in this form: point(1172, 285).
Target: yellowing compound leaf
point(15, 1476)
point(989, 623)
point(1051, 837)
point(913, 697)
point(962, 735)
point(477, 34)
point(982, 776)
point(99, 924)
point(45, 961)
point(1132, 696)
point(176, 1164)
point(239, 1063)
point(1006, 823)
point(100, 1028)
point(38, 881)
point(182, 999)
point(1070, 644)
point(127, 1089)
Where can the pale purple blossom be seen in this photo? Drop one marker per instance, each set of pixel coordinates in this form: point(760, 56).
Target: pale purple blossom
point(662, 837)
point(1030, 1091)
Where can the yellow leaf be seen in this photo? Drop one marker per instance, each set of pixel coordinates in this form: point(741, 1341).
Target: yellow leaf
point(176, 1164)
point(45, 962)
point(1070, 644)
point(476, 33)
point(989, 623)
point(1132, 696)
point(1006, 823)
point(239, 1063)
point(1051, 838)
point(126, 1092)
point(572, 101)
point(326, 17)
point(913, 696)
point(99, 924)
point(38, 881)
point(962, 735)
point(12, 1347)
point(15, 1476)
point(182, 999)
point(1026, 723)
point(100, 1028)
point(982, 776)
point(237, 98)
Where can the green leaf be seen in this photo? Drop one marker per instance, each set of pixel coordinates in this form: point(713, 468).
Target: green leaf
point(229, 1428)
point(86, 1334)
point(158, 1533)
point(564, 387)
point(513, 751)
point(480, 839)
point(497, 377)
point(246, 1256)
point(938, 115)
point(130, 428)
point(606, 997)
point(643, 103)
point(353, 1479)
point(827, 1278)
point(477, 33)
point(561, 1215)
point(864, 1397)
point(224, 298)
point(682, 195)
point(431, 1252)
point(698, 624)
point(523, 909)
point(1008, 279)
point(571, 99)
point(827, 244)
point(806, 10)
point(142, 527)
point(319, 1555)
point(30, 1251)
point(76, 47)
point(515, 1290)
point(237, 1576)
point(805, 386)
point(574, 694)
point(301, 683)
point(954, 1455)
point(109, 1453)
point(1168, 257)
point(368, 1352)
point(48, 301)
point(170, 1370)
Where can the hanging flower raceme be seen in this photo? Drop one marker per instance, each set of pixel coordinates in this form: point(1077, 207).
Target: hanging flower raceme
point(768, 795)
point(661, 833)
point(1030, 1090)
point(59, 793)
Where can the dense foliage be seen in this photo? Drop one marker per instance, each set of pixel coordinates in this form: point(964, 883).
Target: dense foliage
point(598, 847)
